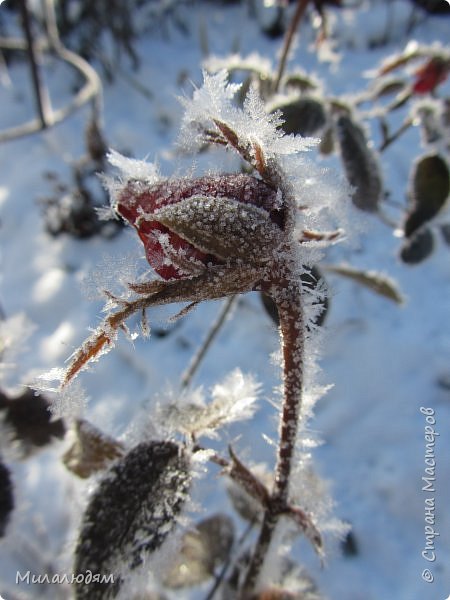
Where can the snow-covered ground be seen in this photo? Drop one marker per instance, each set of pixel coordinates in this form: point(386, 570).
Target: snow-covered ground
point(385, 361)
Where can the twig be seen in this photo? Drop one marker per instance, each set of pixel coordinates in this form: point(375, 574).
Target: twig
point(220, 577)
point(41, 97)
point(91, 90)
point(388, 140)
point(299, 12)
point(93, 87)
point(212, 333)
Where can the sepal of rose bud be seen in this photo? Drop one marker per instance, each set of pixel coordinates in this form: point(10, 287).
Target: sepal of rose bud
point(187, 224)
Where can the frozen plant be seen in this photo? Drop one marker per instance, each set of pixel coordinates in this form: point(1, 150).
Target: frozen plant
point(206, 238)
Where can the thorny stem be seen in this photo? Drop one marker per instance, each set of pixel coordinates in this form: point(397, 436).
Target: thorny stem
point(299, 12)
point(157, 293)
point(292, 338)
point(212, 333)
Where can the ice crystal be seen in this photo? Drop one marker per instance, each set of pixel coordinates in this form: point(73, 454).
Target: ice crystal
point(67, 402)
point(232, 400)
point(214, 101)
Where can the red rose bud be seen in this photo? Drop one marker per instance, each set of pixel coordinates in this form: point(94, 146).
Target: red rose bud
point(430, 75)
point(188, 224)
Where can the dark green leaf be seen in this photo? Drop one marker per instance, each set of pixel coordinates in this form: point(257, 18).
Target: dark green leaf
point(304, 116)
point(360, 163)
point(6, 498)
point(28, 418)
point(429, 191)
point(418, 247)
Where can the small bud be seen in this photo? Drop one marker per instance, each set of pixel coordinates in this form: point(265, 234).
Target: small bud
point(188, 224)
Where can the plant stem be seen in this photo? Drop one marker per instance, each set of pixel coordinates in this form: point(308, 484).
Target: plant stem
point(212, 333)
point(292, 338)
point(299, 12)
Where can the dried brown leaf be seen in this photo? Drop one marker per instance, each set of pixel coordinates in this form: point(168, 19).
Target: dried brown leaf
point(91, 451)
point(377, 282)
point(203, 549)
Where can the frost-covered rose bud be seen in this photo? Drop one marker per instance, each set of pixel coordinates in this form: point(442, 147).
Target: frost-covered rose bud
point(189, 224)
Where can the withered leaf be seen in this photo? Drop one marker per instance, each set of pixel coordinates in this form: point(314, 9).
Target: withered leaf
point(360, 164)
point(377, 282)
point(430, 186)
point(91, 451)
point(130, 514)
point(29, 420)
point(203, 549)
point(6, 498)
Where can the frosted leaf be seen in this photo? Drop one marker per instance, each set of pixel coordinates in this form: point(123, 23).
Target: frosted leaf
point(130, 514)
